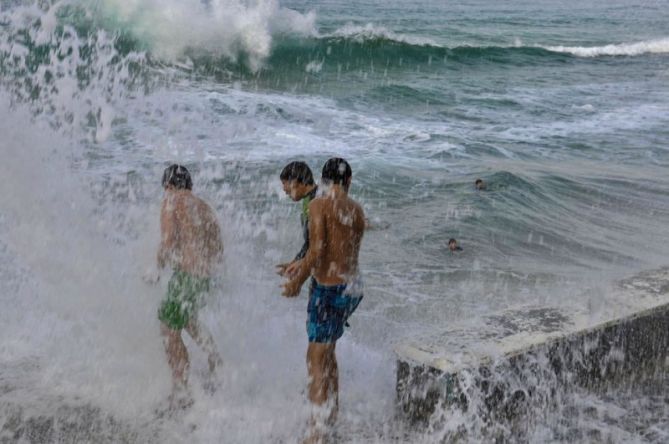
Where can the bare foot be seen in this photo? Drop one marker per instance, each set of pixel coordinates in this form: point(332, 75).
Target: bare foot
point(211, 383)
point(315, 437)
point(318, 431)
point(214, 361)
point(180, 399)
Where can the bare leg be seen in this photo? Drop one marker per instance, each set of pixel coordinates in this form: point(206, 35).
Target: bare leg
point(333, 385)
point(177, 358)
point(204, 340)
point(322, 368)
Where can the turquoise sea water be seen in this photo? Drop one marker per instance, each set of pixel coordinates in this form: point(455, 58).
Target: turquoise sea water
point(561, 107)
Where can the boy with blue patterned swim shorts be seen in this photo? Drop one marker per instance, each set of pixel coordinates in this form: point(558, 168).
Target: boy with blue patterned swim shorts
point(328, 311)
point(336, 227)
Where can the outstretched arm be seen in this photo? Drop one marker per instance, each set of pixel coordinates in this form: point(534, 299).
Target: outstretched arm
point(314, 253)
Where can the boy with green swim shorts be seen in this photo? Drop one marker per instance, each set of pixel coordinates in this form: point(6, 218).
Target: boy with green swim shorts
point(184, 293)
point(191, 244)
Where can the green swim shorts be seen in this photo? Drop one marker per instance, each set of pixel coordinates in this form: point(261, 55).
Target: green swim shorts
point(182, 299)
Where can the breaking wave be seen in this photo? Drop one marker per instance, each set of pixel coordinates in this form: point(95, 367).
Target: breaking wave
point(660, 46)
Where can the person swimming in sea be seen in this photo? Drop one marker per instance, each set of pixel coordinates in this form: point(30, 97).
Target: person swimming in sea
point(453, 245)
point(480, 185)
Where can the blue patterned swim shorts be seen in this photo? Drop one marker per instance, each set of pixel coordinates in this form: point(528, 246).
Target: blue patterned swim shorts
point(328, 310)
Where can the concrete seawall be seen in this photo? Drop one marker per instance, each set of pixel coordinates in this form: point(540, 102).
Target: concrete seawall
point(524, 357)
point(31, 414)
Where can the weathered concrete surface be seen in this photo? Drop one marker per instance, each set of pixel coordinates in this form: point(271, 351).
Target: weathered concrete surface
point(525, 356)
point(31, 415)
point(67, 424)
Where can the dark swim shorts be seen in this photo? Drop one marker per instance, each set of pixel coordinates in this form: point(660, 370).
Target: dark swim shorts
point(328, 310)
point(183, 297)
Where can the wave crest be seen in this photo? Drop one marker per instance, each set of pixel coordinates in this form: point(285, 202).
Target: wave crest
point(228, 28)
point(660, 46)
point(371, 32)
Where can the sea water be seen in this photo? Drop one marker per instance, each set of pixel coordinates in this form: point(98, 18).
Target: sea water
point(562, 107)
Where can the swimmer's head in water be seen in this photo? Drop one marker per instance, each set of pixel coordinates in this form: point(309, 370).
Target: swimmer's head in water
point(337, 171)
point(479, 184)
point(177, 176)
point(297, 180)
point(453, 245)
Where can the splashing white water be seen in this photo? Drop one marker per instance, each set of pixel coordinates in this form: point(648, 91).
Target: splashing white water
point(71, 80)
point(231, 28)
point(72, 312)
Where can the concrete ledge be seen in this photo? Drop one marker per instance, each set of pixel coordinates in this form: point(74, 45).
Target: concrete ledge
point(524, 357)
point(31, 415)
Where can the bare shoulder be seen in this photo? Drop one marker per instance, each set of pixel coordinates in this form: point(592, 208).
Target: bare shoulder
point(205, 208)
point(177, 199)
point(171, 202)
point(356, 207)
point(201, 203)
point(318, 204)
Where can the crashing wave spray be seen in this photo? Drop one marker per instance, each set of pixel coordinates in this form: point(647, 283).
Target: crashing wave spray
point(80, 326)
point(233, 29)
point(73, 61)
point(71, 77)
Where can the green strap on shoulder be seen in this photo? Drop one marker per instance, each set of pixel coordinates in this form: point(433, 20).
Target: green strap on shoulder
point(305, 208)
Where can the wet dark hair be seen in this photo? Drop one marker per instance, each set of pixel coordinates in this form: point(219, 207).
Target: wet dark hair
point(298, 171)
point(451, 240)
point(478, 181)
point(177, 176)
point(336, 171)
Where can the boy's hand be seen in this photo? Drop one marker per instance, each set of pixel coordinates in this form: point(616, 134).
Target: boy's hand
point(281, 269)
point(151, 276)
point(291, 289)
point(292, 269)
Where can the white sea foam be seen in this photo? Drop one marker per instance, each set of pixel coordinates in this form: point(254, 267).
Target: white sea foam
point(587, 107)
point(314, 66)
point(659, 46)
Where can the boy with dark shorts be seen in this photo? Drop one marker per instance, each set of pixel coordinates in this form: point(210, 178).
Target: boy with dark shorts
point(336, 227)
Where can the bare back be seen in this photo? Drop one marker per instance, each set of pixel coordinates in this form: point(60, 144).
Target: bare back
point(339, 223)
point(191, 239)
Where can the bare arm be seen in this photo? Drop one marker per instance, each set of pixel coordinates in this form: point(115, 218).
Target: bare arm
point(216, 240)
point(168, 234)
point(314, 253)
